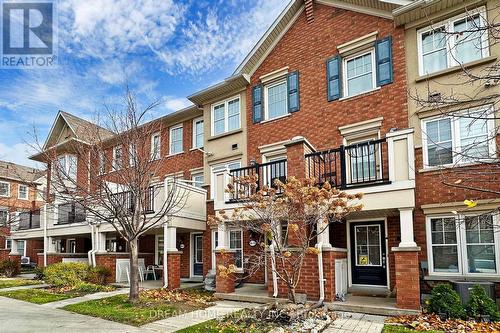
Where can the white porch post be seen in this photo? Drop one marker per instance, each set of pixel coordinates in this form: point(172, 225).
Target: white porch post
point(101, 242)
point(324, 236)
point(13, 247)
point(406, 226)
point(222, 239)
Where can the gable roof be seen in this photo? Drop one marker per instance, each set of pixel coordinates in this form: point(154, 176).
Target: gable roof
point(82, 129)
point(21, 173)
point(381, 8)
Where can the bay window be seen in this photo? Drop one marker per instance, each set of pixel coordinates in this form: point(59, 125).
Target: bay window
point(226, 116)
point(466, 137)
point(456, 41)
point(463, 245)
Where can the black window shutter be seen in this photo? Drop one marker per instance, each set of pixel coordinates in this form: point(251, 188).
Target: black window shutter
point(257, 103)
point(293, 91)
point(383, 55)
point(333, 77)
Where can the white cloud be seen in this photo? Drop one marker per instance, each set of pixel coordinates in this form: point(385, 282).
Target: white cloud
point(18, 153)
point(176, 103)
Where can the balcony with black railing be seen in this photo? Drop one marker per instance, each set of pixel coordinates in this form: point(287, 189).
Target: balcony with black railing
point(267, 174)
point(29, 220)
point(356, 165)
point(126, 200)
point(71, 213)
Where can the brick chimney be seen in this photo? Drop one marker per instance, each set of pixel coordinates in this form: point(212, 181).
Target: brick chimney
point(309, 10)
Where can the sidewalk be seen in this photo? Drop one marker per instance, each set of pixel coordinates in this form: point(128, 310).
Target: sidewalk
point(220, 309)
point(89, 297)
point(348, 322)
point(33, 286)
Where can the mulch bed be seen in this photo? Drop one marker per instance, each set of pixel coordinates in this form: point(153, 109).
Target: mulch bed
point(427, 322)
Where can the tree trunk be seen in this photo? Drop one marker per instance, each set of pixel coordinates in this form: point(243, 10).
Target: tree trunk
point(134, 271)
point(291, 294)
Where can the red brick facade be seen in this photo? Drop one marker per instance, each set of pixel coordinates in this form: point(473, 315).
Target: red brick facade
point(407, 279)
point(174, 269)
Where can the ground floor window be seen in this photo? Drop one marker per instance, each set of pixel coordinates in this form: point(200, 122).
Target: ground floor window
point(159, 250)
point(215, 243)
point(463, 245)
point(8, 244)
point(21, 248)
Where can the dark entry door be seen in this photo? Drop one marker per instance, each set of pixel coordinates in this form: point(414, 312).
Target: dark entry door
point(198, 254)
point(368, 253)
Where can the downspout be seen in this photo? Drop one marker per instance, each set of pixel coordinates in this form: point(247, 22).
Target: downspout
point(165, 255)
point(320, 273)
point(45, 238)
point(273, 267)
point(96, 248)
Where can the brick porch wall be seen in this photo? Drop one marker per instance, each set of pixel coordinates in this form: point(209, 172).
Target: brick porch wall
point(174, 271)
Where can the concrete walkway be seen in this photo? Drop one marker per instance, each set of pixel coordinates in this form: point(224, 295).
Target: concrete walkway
point(348, 322)
point(32, 286)
point(23, 317)
point(89, 297)
point(220, 309)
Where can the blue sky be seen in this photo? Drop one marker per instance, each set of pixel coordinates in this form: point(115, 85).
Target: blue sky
point(163, 49)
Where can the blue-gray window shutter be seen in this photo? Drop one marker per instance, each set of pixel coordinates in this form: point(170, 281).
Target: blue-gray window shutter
point(257, 103)
point(333, 77)
point(293, 91)
point(383, 52)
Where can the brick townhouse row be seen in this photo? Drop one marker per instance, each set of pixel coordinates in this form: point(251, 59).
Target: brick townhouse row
point(329, 81)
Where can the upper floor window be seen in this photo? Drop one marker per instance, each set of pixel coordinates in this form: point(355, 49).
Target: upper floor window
point(198, 179)
point(353, 74)
point(117, 157)
point(226, 116)
point(359, 73)
point(275, 96)
point(70, 213)
point(22, 192)
point(198, 133)
point(132, 155)
point(176, 140)
point(4, 217)
point(155, 146)
point(102, 163)
point(67, 166)
point(467, 137)
point(4, 189)
point(459, 40)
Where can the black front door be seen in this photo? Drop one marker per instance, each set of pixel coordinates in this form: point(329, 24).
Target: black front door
point(198, 254)
point(368, 253)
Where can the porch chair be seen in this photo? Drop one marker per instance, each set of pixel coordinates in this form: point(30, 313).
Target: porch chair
point(150, 270)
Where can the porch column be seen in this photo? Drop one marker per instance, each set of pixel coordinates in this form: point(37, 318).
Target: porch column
point(171, 258)
point(324, 236)
point(406, 226)
point(13, 248)
point(222, 239)
point(101, 242)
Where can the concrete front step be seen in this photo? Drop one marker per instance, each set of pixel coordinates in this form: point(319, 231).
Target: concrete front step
point(358, 304)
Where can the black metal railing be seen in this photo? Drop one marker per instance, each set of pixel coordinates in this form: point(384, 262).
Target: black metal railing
point(126, 200)
point(267, 174)
point(29, 220)
point(71, 213)
point(361, 164)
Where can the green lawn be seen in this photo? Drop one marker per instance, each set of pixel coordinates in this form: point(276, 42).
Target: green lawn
point(402, 329)
point(37, 296)
point(9, 283)
point(117, 308)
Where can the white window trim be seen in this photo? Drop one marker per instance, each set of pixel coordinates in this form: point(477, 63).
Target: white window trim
point(197, 174)
point(8, 190)
point(153, 156)
point(102, 163)
point(19, 192)
point(238, 269)
point(196, 120)
point(345, 89)
point(449, 28)
point(24, 247)
point(213, 247)
point(461, 247)
point(67, 165)
point(455, 139)
point(266, 98)
point(226, 115)
point(5, 209)
point(116, 165)
point(170, 144)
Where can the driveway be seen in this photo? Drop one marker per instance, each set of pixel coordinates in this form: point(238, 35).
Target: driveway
point(18, 316)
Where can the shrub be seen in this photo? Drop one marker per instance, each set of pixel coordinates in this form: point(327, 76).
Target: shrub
point(445, 300)
point(98, 275)
point(66, 274)
point(86, 287)
point(9, 268)
point(39, 273)
point(481, 304)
